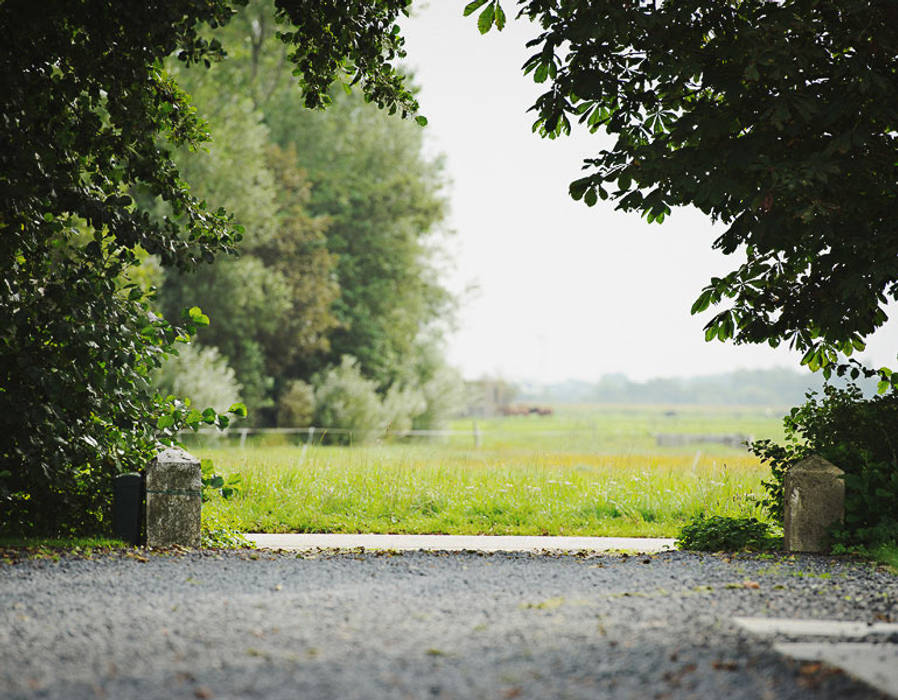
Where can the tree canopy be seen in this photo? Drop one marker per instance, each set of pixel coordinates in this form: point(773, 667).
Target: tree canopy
point(88, 116)
point(777, 119)
point(343, 214)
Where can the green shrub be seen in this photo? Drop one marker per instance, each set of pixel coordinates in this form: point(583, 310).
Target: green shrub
point(400, 406)
point(859, 436)
point(444, 397)
point(296, 406)
point(719, 533)
point(347, 401)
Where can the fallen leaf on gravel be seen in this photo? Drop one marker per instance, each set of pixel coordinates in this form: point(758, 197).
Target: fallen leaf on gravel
point(675, 677)
point(511, 692)
point(810, 669)
point(725, 665)
point(751, 584)
point(203, 693)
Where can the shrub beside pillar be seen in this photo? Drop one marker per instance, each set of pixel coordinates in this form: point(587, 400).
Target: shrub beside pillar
point(174, 499)
point(814, 501)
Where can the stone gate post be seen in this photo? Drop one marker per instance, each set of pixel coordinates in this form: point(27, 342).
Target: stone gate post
point(814, 500)
point(174, 499)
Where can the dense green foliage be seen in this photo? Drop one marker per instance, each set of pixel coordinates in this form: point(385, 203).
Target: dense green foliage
point(719, 533)
point(858, 436)
point(775, 118)
point(90, 117)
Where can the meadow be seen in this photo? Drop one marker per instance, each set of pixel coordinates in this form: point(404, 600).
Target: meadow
point(587, 470)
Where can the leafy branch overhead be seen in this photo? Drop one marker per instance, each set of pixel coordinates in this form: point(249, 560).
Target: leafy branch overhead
point(90, 120)
point(776, 119)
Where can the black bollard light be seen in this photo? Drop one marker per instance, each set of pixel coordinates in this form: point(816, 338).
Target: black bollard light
point(127, 504)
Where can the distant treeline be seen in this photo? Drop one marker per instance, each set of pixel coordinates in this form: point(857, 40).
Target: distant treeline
point(765, 387)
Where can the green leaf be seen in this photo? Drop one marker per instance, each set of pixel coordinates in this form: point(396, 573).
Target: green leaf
point(472, 7)
point(500, 17)
point(541, 73)
point(193, 418)
point(485, 21)
point(166, 421)
point(703, 302)
point(590, 197)
point(238, 409)
point(422, 120)
point(197, 316)
point(578, 188)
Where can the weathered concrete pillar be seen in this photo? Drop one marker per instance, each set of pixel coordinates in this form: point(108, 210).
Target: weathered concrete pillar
point(814, 500)
point(174, 499)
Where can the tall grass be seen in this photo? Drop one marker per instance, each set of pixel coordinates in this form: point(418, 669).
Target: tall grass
point(501, 490)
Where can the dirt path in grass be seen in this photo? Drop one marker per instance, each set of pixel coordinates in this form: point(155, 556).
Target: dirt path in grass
point(422, 625)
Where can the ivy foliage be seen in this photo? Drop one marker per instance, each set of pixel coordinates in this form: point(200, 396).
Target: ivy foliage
point(775, 118)
point(88, 115)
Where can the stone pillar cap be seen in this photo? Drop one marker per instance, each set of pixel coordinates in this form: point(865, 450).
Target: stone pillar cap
point(175, 455)
point(816, 463)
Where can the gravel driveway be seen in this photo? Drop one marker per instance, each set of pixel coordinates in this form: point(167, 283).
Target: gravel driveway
point(422, 625)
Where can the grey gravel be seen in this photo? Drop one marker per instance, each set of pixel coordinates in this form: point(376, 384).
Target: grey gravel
point(422, 625)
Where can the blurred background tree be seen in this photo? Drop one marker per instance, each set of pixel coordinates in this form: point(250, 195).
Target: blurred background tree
point(344, 215)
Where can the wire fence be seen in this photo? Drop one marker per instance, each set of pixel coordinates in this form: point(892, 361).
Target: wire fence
point(475, 436)
point(310, 434)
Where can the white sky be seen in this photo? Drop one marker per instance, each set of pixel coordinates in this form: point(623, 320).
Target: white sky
point(563, 291)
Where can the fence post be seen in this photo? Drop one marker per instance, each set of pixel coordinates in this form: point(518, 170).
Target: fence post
point(476, 434)
point(305, 445)
point(243, 433)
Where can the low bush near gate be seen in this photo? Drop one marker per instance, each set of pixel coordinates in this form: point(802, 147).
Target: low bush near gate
point(720, 533)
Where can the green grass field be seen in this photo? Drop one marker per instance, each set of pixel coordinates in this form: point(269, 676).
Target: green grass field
point(584, 471)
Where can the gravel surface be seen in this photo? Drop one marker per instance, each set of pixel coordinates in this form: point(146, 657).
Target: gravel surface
point(422, 625)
